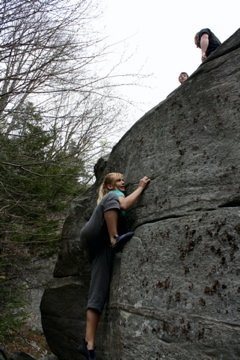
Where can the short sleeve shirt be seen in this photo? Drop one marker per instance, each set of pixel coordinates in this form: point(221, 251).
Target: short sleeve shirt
point(214, 42)
point(110, 200)
point(96, 224)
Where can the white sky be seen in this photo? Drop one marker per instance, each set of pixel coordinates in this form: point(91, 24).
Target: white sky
point(160, 35)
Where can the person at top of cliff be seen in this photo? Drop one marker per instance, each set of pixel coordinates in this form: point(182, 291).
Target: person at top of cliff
point(103, 235)
point(207, 41)
point(183, 77)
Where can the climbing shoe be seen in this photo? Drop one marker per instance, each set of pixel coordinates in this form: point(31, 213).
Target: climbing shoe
point(121, 240)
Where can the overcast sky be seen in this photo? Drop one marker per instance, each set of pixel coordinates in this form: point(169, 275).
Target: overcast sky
point(159, 34)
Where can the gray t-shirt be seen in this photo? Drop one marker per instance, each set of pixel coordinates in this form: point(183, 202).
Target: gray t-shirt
point(94, 231)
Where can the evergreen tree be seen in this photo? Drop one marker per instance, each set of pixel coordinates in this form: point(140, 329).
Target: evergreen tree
point(37, 179)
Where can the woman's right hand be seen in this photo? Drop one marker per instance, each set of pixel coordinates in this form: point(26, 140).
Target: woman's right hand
point(144, 182)
point(130, 200)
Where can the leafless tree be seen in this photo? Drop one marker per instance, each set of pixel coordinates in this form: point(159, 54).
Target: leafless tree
point(56, 103)
point(50, 54)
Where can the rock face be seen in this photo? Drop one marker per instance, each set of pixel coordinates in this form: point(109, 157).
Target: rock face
point(175, 292)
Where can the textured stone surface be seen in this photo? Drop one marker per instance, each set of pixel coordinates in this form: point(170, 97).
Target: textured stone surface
point(15, 356)
point(184, 295)
point(175, 291)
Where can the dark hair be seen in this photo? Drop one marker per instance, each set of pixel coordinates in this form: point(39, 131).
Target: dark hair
point(183, 73)
point(197, 39)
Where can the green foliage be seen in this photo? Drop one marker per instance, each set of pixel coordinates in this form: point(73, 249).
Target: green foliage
point(37, 179)
point(12, 314)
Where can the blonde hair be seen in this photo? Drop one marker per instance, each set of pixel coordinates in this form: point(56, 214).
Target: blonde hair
point(109, 179)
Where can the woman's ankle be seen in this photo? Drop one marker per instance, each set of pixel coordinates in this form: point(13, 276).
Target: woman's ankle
point(90, 345)
point(113, 239)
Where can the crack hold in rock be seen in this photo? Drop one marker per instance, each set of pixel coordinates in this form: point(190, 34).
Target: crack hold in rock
point(231, 203)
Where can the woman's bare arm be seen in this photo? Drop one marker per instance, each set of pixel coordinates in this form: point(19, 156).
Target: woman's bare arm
point(131, 199)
